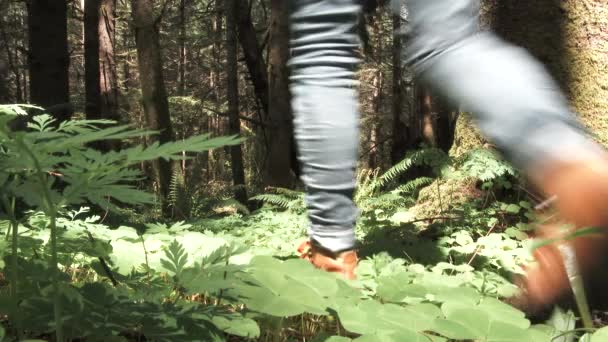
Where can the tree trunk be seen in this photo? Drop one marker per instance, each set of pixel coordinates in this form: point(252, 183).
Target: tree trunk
point(48, 56)
point(399, 143)
point(91, 59)
point(181, 79)
point(4, 95)
point(215, 123)
point(374, 156)
point(238, 173)
point(254, 58)
point(569, 38)
point(278, 160)
point(11, 64)
point(154, 94)
point(108, 82)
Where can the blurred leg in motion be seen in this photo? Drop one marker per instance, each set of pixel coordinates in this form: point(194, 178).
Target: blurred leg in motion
point(519, 107)
point(324, 57)
point(515, 101)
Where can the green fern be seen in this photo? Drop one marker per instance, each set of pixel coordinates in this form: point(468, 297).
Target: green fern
point(367, 185)
point(283, 198)
point(180, 197)
point(415, 184)
point(432, 157)
point(280, 201)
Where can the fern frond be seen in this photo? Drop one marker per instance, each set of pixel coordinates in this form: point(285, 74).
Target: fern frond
point(286, 192)
point(415, 184)
point(274, 199)
point(432, 157)
point(367, 184)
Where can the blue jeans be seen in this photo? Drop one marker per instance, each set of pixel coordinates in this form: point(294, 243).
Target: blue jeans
point(515, 101)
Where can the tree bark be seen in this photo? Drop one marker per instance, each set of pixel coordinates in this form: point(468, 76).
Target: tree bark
point(154, 94)
point(181, 79)
point(569, 38)
point(91, 59)
point(254, 58)
point(374, 156)
point(48, 56)
point(278, 160)
point(216, 123)
point(4, 94)
point(399, 143)
point(11, 64)
point(238, 172)
point(108, 82)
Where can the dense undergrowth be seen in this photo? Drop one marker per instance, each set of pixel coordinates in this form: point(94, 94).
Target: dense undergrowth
point(438, 253)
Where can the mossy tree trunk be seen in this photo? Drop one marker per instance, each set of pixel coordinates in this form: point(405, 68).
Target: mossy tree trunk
point(570, 38)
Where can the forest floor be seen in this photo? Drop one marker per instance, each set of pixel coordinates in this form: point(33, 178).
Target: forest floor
point(423, 276)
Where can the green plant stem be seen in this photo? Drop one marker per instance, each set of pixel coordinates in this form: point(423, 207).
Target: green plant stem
point(51, 211)
point(573, 331)
point(143, 244)
point(576, 282)
point(10, 210)
point(55, 270)
point(439, 196)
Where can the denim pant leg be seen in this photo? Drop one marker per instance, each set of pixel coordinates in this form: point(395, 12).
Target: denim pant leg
point(324, 57)
point(515, 101)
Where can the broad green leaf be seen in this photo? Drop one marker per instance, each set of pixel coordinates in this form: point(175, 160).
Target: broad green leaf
point(453, 330)
point(458, 295)
point(512, 208)
point(237, 325)
point(505, 313)
point(600, 335)
point(403, 335)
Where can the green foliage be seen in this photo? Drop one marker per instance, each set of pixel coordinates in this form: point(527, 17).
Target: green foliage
point(72, 276)
point(180, 195)
point(434, 158)
point(33, 162)
point(176, 258)
point(283, 198)
point(488, 167)
point(415, 184)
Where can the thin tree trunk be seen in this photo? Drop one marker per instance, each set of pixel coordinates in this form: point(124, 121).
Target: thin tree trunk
point(91, 59)
point(399, 141)
point(181, 79)
point(154, 94)
point(253, 54)
point(12, 66)
point(108, 82)
point(4, 94)
point(48, 56)
point(278, 160)
point(216, 166)
point(238, 173)
point(376, 100)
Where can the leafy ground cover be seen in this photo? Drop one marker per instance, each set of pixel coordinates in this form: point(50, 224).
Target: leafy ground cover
point(438, 253)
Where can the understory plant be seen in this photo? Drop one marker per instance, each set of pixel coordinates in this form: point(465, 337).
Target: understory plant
point(49, 166)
